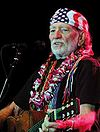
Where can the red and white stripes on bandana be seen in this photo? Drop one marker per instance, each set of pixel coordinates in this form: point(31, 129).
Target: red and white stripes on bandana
point(70, 17)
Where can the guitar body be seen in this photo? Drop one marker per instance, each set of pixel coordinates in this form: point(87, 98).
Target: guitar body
point(24, 121)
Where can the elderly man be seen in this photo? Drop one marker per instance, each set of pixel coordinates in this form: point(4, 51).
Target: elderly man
point(69, 79)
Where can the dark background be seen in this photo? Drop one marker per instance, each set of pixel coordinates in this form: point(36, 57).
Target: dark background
point(24, 28)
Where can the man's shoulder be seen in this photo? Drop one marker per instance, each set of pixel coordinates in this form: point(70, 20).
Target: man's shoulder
point(90, 61)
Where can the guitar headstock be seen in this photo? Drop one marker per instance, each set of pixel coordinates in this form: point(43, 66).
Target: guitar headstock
point(70, 109)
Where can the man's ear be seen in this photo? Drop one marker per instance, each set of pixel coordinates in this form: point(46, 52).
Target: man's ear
point(81, 38)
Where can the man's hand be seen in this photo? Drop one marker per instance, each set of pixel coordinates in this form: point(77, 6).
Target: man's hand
point(48, 126)
point(7, 111)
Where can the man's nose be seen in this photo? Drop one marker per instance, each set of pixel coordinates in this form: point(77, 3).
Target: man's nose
point(58, 34)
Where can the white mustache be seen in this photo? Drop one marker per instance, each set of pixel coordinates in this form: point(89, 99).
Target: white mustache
point(57, 41)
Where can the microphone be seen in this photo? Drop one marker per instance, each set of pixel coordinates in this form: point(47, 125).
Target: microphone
point(18, 49)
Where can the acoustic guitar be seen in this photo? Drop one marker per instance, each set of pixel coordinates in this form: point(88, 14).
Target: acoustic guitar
point(67, 111)
point(31, 121)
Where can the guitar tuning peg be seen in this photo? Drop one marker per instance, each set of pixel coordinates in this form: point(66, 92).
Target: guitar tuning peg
point(63, 107)
point(63, 116)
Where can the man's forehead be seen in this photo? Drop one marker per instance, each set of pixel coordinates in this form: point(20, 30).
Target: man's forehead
point(61, 24)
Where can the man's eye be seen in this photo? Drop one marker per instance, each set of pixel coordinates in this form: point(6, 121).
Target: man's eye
point(64, 29)
point(52, 30)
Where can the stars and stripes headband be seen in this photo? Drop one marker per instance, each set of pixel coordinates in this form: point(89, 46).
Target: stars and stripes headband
point(70, 17)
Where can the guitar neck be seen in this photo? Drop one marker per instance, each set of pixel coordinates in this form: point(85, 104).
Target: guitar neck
point(36, 126)
point(69, 110)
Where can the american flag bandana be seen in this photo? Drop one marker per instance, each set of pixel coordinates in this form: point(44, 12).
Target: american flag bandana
point(70, 17)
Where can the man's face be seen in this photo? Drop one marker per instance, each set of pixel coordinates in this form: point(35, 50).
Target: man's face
point(63, 38)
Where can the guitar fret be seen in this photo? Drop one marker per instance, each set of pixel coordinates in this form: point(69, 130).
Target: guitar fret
point(36, 126)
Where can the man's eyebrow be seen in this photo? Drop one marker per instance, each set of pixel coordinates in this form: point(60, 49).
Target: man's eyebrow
point(52, 26)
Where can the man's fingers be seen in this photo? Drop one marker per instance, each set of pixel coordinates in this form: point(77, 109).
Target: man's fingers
point(40, 130)
point(44, 128)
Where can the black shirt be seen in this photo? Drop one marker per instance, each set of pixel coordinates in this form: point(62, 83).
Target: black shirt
point(86, 84)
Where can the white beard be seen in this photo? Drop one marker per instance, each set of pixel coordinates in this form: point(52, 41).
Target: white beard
point(59, 53)
point(62, 49)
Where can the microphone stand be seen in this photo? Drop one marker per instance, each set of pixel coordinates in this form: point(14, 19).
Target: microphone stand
point(5, 84)
point(16, 59)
